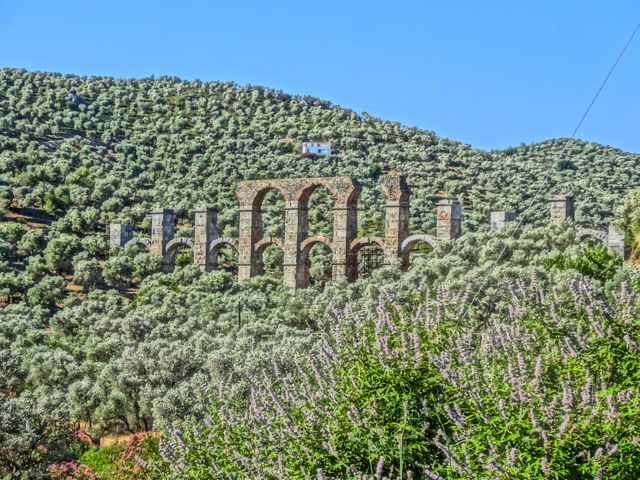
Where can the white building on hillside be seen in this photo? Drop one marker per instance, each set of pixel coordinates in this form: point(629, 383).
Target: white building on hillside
point(314, 147)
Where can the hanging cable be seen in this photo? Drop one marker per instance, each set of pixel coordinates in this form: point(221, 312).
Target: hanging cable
point(548, 173)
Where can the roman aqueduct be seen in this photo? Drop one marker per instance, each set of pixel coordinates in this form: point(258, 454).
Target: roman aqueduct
point(250, 245)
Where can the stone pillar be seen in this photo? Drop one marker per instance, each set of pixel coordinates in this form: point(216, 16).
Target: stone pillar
point(250, 233)
point(204, 233)
point(162, 226)
point(499, 220)
point(562, 208)
point(448, 219)
point(615, 241)
point(296, 227)
point(119, 234)
point(345, 230)
point(396, 221)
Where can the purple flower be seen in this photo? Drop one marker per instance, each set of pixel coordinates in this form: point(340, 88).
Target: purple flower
point(379, 467)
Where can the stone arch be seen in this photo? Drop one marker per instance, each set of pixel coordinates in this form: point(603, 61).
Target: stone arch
point(179, 242)
point(306, 245)
point(144, 243)
point(306, 190)
point(358, 243)
point(173, 246)
point(267, 241)
point(599, 235)
point(252, 193)
point(345, 192)
point(413, 240)
point(363, 262)
point(343, 189)
point(216, 245)
point(295, 192)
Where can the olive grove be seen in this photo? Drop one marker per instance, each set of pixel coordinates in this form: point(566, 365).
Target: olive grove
point(97, 343)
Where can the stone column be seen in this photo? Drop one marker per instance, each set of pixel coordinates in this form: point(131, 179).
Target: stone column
point(615, 241)
point(162, 226)
point(499, 220)
point(250, 233)
point(345, 230)
point(296, 227)
point(448, 219)
point(119, 234)
point(204, 233)
point(562, 208)
point(396, 221)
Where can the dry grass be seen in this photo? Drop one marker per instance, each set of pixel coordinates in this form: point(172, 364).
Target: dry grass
point(109, 440)
point(26, 218)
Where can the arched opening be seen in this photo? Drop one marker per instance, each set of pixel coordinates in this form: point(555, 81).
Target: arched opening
point(142, 243)
point(416, 247)
point(224, 256)
point(417, 252)
point(422, 218)
point(270, 203)
point(592, 237)
point(318, 202)
point(317, 261)
point(590, 240)
point(371, 211)
point(179, 252)
point(271, 259)
point(183, 257)
point(320, 264)
point(369, 256)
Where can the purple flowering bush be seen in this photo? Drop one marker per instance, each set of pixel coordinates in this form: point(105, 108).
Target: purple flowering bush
point(440, 387)
point(548, 391)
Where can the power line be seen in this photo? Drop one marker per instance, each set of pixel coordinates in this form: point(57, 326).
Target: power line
point(546, 176)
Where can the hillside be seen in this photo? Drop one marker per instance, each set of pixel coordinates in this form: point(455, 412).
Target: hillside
point(98, 344)
point(123, 146)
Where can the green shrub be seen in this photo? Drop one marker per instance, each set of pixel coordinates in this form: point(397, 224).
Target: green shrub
point(593, 261)
point(101, 460)
point(545, 387)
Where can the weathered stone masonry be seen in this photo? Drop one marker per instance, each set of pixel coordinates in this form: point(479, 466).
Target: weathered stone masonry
point(396, 244)
point(562, 209)
point(296, 242)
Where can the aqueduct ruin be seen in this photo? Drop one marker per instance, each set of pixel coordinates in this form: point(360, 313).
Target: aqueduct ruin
point(296, 243)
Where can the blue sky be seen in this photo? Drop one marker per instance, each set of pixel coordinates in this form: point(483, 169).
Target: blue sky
point(491, 73)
